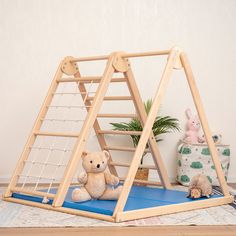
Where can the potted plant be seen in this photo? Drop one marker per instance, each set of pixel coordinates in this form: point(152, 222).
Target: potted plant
point(161, 125)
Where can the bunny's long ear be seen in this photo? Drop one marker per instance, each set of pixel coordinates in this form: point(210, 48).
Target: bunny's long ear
point(189, 113)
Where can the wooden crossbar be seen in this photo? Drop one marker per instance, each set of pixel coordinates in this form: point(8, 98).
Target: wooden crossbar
point(125, 55)
point(118, 132)
point(122, 164)
point(116, 115)
point(113, 98)
point(121, 148)
point(56, 134)
point(145, 182)
point(90, 79)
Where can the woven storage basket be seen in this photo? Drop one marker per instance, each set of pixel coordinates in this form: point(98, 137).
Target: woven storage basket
point(195, 158)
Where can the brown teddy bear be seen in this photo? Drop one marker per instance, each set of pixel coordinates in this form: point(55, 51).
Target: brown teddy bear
point(95, 180)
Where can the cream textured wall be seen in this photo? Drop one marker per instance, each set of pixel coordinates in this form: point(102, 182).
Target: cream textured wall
point(35, 35)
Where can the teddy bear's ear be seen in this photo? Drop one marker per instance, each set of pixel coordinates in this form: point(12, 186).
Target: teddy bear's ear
point(84, 154)
point(107, 154)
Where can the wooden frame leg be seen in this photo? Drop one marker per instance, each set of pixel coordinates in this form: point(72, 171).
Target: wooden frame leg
point(84, 134)
point(37, 125)
point(203, 119)
point(145, 135)
point(143, 117)
point(96, 126)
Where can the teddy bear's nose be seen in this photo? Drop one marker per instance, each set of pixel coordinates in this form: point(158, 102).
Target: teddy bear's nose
point(98, 165)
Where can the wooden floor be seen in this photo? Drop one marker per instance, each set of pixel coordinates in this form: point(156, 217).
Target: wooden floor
point(102, 231)
point(147, 231)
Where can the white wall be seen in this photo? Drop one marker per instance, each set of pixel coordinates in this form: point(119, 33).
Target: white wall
point(35, 35)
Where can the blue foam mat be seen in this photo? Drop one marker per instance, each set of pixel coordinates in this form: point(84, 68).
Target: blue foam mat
point(140, 197)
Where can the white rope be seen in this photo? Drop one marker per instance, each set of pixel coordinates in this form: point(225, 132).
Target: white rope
point(48, 157)
point(35, 157)
point(36, 176)
point(42, 163)
point(68, 142)
point(64, 150)
point(54, 149)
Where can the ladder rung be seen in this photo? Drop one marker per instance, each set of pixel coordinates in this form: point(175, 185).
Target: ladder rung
point(128, 165)
point(118, 132)
point(120, 148)
point(117, 115)
point(68, 107)
point(72, 93)
point(147, 182)
point(90, 79)
point(56, 134)
point(84, 79)
point(113, 98)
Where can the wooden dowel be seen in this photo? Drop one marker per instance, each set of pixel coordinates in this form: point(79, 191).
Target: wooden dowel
point(32, 192)
point(125, 55)
point(119, 132)
point(146, 54)
point(56, 134)
point(117, 116)
point(93, 58)
point(68, 107)
point(82, 79)
point(113, 98)
point(62, 209)
point(121, 148)
point(147, 182)
point(128, 165)
point(89, 80)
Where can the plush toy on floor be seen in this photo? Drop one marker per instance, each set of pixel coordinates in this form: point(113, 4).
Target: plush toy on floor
point(97, 184)
point(193, 128)
point(199, 186)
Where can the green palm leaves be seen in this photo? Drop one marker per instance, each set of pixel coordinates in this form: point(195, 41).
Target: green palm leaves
point(162, 125)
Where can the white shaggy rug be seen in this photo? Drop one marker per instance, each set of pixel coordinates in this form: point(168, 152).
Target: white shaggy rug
point(16, 215)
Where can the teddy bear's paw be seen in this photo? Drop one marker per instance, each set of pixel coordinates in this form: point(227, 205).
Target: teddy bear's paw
point(80, 195)
point(115, 181)
point(82, 178)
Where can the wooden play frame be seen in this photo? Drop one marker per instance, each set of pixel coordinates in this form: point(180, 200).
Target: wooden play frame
point(118, 62)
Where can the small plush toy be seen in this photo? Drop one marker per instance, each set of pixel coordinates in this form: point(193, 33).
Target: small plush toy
point(199, 186)
point(95, 180)
point(193, 128)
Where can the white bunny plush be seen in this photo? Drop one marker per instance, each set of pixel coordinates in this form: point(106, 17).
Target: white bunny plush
point(193, 128)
